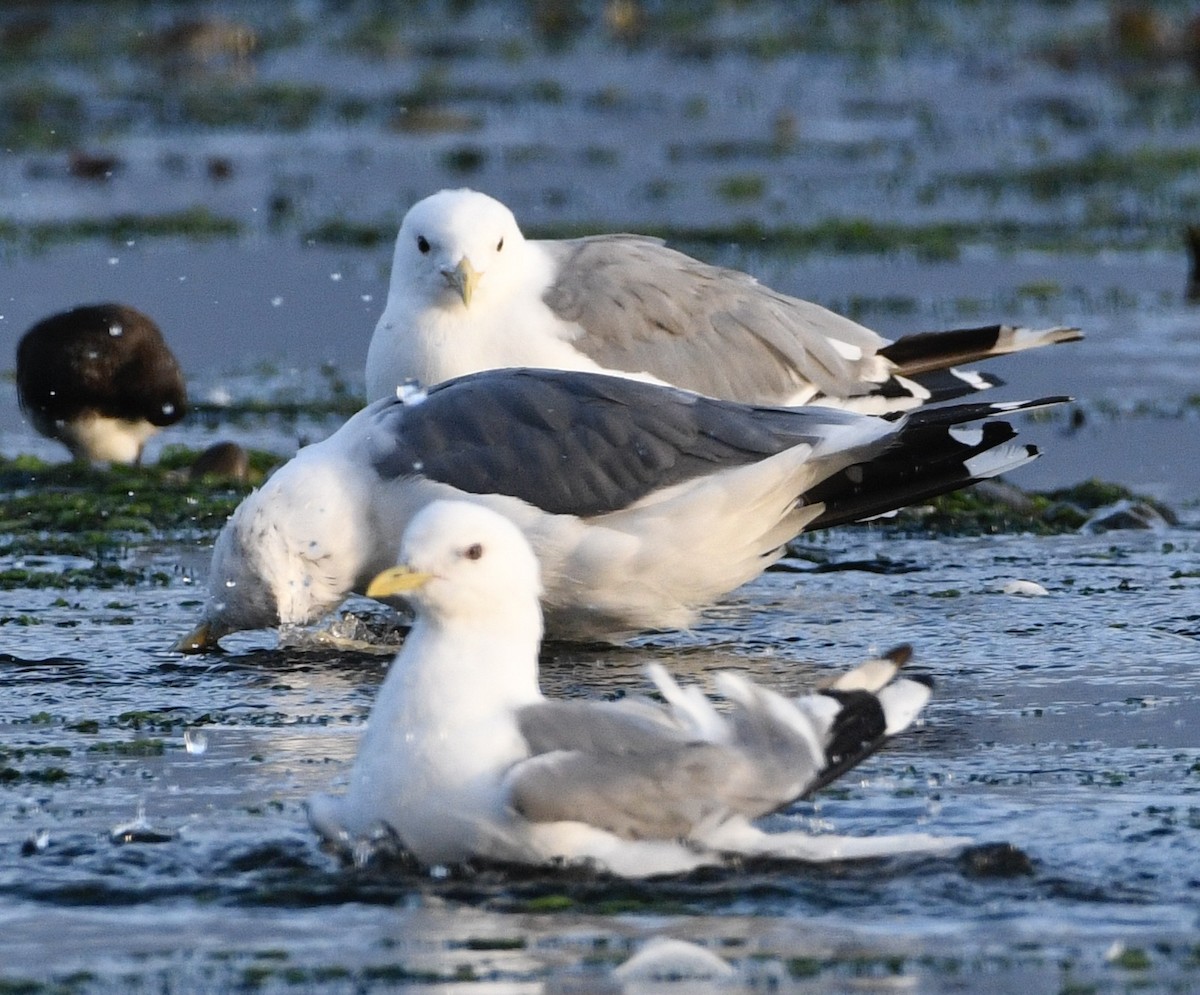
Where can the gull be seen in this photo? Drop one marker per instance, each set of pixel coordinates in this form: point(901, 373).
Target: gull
point(100, 380)
point(644, 503)
point(469, 292)
point(463, 757)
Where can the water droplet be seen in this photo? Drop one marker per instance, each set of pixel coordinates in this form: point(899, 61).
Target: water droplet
point(36, 843)
point(113, 260)
point(362, 852)
point(276, 301)
point(139, 830)
point(335, 277)
point(115, 330)
point(231, 583)
point(194, 741)
point(410, 393)
point(366, 299)
point(168, 408)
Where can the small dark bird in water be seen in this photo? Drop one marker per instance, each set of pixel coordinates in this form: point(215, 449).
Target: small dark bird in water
point(99, 379)
point(224, 460)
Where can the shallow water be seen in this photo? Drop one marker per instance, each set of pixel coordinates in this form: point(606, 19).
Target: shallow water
point(1063, 724)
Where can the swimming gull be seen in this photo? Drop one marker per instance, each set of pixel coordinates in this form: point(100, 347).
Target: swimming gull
point(644, 503)
point(469, 292)
point(464, 757)
point(99, 379)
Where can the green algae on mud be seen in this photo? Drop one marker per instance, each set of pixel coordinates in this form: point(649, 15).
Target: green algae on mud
point(996, 507)
point(102, 502)
point(985, 509)
point(196, 223)
point(72, 526)
point(72, 512)
point(850, 236)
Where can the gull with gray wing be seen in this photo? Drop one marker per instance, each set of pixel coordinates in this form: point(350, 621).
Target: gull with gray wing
point(463, 757)
point(469, 292)
point(643, 503)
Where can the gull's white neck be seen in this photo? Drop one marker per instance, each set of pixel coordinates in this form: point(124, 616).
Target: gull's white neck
point(443, 732)
point(482, 668)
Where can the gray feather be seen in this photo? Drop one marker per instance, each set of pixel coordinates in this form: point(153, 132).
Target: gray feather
point(578, 443)
point(645, 307)
point(660, 795)
point(630, 726)
point(637, 770)
point(629, 768)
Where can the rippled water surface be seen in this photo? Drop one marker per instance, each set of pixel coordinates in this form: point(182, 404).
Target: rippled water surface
point(917, 165)
point(1062, 724)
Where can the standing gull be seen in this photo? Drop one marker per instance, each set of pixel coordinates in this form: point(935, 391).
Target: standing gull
point(464, 757)
point(469, 292)
point(643, 503)
point(100, 380)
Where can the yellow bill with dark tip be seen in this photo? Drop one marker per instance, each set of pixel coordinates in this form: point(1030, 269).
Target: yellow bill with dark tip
point(397, 580)
point(463, 278)
point(200, 640)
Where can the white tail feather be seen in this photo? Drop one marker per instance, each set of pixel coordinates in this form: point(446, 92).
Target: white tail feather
point(902, 702)
point(689, 706)
point(1000, 460)
point(869, 676)
point(740, 837)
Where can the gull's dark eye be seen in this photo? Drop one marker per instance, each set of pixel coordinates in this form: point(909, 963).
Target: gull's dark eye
point(500, 244)
point(474, 552)
point(422, 244)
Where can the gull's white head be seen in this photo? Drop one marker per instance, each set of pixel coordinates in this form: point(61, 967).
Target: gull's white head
point(463, 562)
point(455, 246)
point(241, 592)
point(290, 553)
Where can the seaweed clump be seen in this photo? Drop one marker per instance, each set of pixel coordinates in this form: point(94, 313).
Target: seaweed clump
point(71, 525)
point(994, 507)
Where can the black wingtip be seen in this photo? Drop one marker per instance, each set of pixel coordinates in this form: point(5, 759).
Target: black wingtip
point(899, 655)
